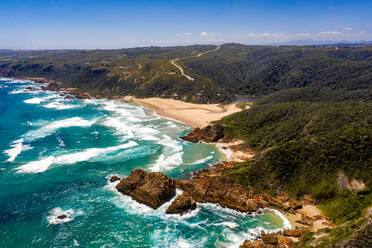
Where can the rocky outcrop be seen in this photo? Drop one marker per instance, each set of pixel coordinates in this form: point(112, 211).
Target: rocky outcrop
point(152, 189)
point(269, 238)
point(292, 233)
point(227, 194)
point(183, 203)
point(114, 178)
point(210, 133)
point(268, 241)
point(253, 244)
point(215, 187)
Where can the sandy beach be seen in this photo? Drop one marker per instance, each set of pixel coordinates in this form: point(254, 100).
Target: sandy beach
point(195, 115)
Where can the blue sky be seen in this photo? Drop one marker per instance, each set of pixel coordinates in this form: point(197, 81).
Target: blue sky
point(56, 24)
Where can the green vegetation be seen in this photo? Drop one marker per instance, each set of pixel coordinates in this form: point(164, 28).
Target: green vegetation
point(301, 146)
point(340, 234)
point(311, 119)
point(296, 73)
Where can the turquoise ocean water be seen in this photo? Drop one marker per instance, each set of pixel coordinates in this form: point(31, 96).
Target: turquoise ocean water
point(56, 157)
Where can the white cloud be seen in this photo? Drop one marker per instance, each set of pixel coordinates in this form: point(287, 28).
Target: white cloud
point(303, 34)
point(204, 34)
point(251, 35)
point(348, 28)
point(187, 34)
point(329, 33)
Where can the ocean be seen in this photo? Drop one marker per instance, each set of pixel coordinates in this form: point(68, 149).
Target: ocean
point(57, 155)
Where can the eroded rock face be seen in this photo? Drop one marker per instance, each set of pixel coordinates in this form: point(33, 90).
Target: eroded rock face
point(183, 203)
point(269, 238)
point(269, 241)
point(129, 184)
point(152, 189)
point(211, 133)
point(224, 193)
point(292, 233)
point(252, 244)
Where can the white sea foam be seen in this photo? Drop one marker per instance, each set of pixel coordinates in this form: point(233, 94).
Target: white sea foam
point(52, 127)
point(60, 105)
point(171, 155)
point(203, 160)
point(15, 81)
point(17, 91)
point(38, 100)
point(164, 163)
point(72, 158)
point(226, 151)
point(169, 237)
point(17, 148)
point(227, 223)
point(55, 212)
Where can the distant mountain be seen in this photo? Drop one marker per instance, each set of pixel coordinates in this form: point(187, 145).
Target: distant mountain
point(311, 42)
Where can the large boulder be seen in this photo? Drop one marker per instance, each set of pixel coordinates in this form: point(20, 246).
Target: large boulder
point(210, 133)
point(129, 184)
point(152, 189)
point(181, 204)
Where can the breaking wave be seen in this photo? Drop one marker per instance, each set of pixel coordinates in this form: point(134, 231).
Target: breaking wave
point(72, 158)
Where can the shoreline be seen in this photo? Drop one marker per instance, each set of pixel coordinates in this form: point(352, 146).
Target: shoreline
point(180, 111)
point(192, 114)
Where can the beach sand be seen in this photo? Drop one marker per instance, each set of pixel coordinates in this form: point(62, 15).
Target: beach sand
point(195, 115)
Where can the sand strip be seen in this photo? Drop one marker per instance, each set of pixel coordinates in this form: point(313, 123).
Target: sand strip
point(195, 115)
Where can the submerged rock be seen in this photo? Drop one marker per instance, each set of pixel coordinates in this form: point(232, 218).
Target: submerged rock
point(182, 204)
point(114, 178)
point(152, 189)
point(210, 133)
point(62, 216)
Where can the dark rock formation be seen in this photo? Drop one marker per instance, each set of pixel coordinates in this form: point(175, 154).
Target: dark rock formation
point(68, 97)
point(114, 178)
point(210, 133)
point(182, 204)
point(61, 217)
point(152, 189)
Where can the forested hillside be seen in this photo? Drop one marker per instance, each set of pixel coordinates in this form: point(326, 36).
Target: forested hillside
point(220, 74)
point(308, 148)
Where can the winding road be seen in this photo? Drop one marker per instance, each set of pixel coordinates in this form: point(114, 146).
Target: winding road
point(173, 62)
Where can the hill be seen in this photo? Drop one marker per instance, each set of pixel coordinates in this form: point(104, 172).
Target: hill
point(219, 74)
